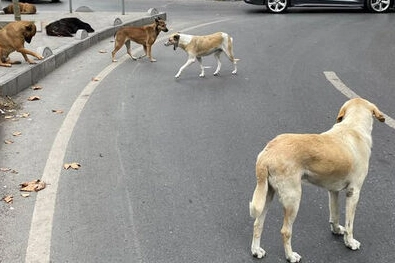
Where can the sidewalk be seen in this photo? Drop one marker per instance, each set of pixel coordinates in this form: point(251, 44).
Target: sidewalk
point(20, 76)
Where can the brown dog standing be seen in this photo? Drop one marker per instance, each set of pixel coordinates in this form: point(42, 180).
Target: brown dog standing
point(145, 35)
point(12, 38)
point(25, 8)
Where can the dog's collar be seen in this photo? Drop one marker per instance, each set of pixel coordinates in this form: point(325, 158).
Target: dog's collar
point(175, 45)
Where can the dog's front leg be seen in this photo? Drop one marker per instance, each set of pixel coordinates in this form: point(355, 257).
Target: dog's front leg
point(334, 215)
point(189, 62)
point(148, 53)
point(199, 59)
point(26, 52)
point(352, 197)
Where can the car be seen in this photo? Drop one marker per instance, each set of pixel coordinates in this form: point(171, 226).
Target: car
point(280, 6)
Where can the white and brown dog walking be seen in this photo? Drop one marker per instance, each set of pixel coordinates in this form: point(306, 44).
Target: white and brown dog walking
point(336, 160)
point(200, 46)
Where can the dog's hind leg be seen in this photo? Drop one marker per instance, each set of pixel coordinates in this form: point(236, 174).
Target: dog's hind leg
point(334, 215)
point(229, 53)
point(290, 196)
point(263, 195)
point(352, 197)
point(256, 248)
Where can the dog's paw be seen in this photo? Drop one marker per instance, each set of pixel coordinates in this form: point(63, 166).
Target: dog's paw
point(234, 72)
point(337, 230)
point(352, 244)
point(258, 252)
point(153, 60)
point(201, 75)
point(294, 257)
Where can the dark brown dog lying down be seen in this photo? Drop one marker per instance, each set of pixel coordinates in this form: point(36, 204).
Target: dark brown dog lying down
point(25, 8)
point(13, 37)
point(65, 27)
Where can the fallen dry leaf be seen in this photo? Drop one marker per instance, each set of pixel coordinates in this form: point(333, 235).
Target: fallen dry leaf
point(3, 169)
point(25, 115)
point(25, 195)
point(57, 111)
point(17, 133)
point(95, 79)
point(102, 51)
point(74, 166)
point(33, 186)
point(8, 117)
point(8, 142)
point(33, 98)
point(8, 199)
point(37, 87)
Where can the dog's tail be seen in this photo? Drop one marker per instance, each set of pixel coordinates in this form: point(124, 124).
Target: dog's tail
point(259, 197)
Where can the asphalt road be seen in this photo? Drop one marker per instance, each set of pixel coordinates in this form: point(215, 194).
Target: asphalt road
point(167, 166)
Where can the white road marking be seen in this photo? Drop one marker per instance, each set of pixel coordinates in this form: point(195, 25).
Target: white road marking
point(39, 243)
point(340, 86)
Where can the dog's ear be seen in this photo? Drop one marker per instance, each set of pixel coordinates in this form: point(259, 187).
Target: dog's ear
point(29, 27)
point(341, 114)
point(176, 38)
point(378, 114)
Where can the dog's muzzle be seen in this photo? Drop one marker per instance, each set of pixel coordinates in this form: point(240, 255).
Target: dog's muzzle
point(169, 43)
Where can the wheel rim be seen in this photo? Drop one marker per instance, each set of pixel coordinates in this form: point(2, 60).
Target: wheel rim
point(380, 5)
point(278, 6)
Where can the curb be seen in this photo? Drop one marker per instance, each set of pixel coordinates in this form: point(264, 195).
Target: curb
point(24, 79)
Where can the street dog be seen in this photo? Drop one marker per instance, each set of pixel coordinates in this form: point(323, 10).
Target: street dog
point(336, 160)
point(200, 46)
point(12, 38)
point(144, 35)
point(66, 27)
point(25, 8)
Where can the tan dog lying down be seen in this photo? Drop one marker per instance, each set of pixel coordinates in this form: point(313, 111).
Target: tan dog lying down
point(24, 8)
point(144, 35)
point(200, 46)
point(337, 159)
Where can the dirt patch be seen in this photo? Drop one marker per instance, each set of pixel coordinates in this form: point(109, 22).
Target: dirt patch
point(7, 106)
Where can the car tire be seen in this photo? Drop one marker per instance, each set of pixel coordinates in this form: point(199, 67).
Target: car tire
point(280, 6)
point(378, 6)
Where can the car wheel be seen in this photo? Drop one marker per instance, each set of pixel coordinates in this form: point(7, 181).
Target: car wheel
point(378, 6)
point(279, 6)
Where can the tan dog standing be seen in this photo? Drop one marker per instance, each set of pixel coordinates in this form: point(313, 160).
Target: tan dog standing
point(13, 37)
point(200, 46)
point(145, 36)
point(25, 8)
point(337, 159)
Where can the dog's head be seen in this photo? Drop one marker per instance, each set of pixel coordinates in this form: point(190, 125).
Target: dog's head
point(29, 31)
point(161, 25)
point(358, 105)
point(173, 40)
